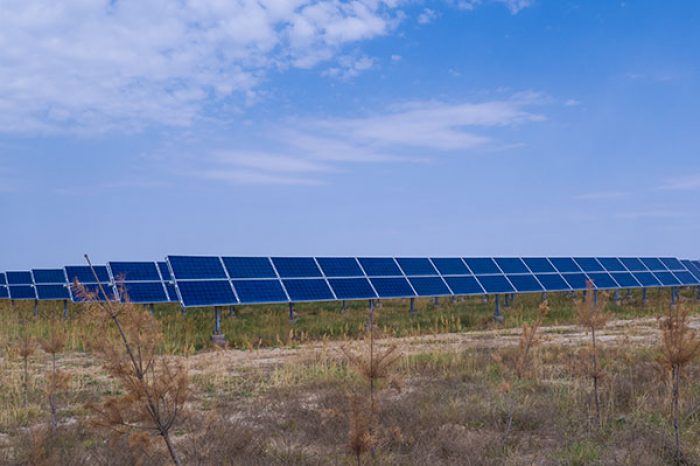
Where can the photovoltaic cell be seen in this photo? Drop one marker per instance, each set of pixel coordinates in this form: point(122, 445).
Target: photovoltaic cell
point(416, 266)
point(50, 276)
point(134, 271)
point(308, 290)
point(22, 292)
point(107, 292)
point(495, 283)
point(667, 278)
point(83, 274)
point(392, 287)
point(259, 291)
point(143, 292)
point(539, 264)
point(553, 282)
point(19, 278)
point(206, 293)
point(672, 263)
point(3, 292)
point(164, 271)
point(380, 266)
point(352, 288)
point(511, 265)
point(612, 264)
point(450, 265)
point(52, 292)
point(172, 292)
point(589, 264)
point(429, 286)
point(633, 264)
point(525, 283)
point(653, 264)
point(296, 267)
point(197, 267)
point(625, 280)
point(692, 268)
point(565, 264)
point(646, 279)
point(482, 265)
point(577, 281)
point(3, 279)
point(249, 267)
point(686, 278)
point(464, 285)
point(602, 281)
point(340, 267)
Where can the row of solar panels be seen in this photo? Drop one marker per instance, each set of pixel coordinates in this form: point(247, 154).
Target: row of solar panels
point(198, 281)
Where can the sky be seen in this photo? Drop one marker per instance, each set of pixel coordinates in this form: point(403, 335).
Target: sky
point(130, 130)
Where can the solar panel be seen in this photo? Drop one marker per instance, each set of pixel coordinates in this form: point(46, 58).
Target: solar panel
point(49, 276)
point(19, 278)
point(577, 281)
point(633, 264)
point(603, 281)
point(464, 285)
point(692, 268)
point(249, 267)
point(589, 264)
point(340, 267)
point(686, 278)
point(296, 267)
point(646, 279)
point(352, 288)
point(84, 274)
point(612, 264)
point(495, 283)
point(3, 279)
point(450, 266)
point(260, 291)
point(134, 271)
point(308, 290)
point(380, 267)
point(625, 280)
point(512, 265)
point(22, 292)
point(52, 292)
point(4, 293)
point(429, 286)
point(672, 263)
point(172, 292)
point(667, 278)
point(164, 271)
point(415, 266)
point(553, 282)
point(539, 264)
point(206, 292)
point(143, 292)
point(106, 293)
point(392, 287)
point(197, 267)
point(653, 264)
point(525, 283)
point(482, 265)
point(565, 264)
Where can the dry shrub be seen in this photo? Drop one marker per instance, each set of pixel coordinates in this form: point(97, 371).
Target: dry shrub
point(58, 380)
point(530, 339)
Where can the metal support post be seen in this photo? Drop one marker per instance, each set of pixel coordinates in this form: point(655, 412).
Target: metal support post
point(484, 299)
point(544, 296)
point(65, 309)
point(36, 308)
point(292, 315)
point(616, 297)
point(698, 295)
point(645, 299)
point(595, 296)
point(674, 295)
point(436, 301)
point(343, 306)
point(151, 309)
point(412, 306)
point(232, 312)
point(218, 337)
point(497, 316)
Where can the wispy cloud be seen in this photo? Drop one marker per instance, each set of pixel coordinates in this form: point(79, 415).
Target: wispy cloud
point(602, 196)
point(427, 16)
point(515, 6)
point(681, 183)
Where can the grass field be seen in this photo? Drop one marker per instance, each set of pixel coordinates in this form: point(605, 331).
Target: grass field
point(284, 393)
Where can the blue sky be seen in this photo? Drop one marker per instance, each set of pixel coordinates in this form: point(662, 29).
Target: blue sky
point(132, 130)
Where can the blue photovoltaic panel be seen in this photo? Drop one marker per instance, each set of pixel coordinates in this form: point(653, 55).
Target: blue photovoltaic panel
point(19, 278)
point(143, 292)
point(416, 266)
point(429, 286)
point(380, 266)
point(633, 264)
point(196, 267)
point(164, 271)
point(525, 283)
point(22, 292)
point(340, 267)
point(577, 281)
point(249, 267)
point(495, 284)
point(672, 263)
point(667, 279)
point(553, 282)
point(83, 273)
point(512, 265)
point(352, 288)
point(94, 290)
point(3, 292)
point(259, 291)
point(612, 264)
point(392, 287)
point(172, 292)
point(589, 264)
point(134, 271)
point(565, 264)
point(692, 268)
point(653, 264)
point(206, 293)
point(646, 279)
point(296, 267)
point(625, 280)
point(539, 264)
point(686, 278)
point(50, 276)
point(602, 280)
point(3, 279)
point(450, 265)
point(482, 265)
point(308, 290)
point(52, 292)
point(464, 285)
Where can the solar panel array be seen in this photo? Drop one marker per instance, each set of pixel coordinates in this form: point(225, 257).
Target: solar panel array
point(198, 281)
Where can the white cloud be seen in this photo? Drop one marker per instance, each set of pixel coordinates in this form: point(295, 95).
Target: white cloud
point(349, 67)
point(105, 64)
point(427, 16)
point(396, 58)
point(682, 183)
point(514, 6)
